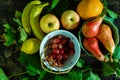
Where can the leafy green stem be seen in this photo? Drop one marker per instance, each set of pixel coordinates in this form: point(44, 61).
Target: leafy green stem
point(17, 74)
point(17, 50)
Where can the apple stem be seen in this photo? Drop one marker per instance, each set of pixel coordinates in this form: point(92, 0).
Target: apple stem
point(50, 24)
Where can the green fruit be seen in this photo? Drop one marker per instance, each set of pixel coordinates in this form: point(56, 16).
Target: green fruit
point(30, 46)
point(26, 15)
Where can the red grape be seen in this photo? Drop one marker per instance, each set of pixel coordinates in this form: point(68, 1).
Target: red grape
point(52, 55)
point(54, 45)
point(60, 36)
point(61, 51)
point(71, 51)
point(60, 45)
point(56, 51)
point(59, 57)
point(71, 44)
point(63, 41)
point(56, 40)
point(65, 56)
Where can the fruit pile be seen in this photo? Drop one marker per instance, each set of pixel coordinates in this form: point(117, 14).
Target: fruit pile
point(96, 31)
point(60, 53)
point(93, 29)
point(59, 49)
point(40, 26)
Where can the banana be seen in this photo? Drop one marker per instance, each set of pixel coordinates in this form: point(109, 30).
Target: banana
point(26, 15)
point(34, 20)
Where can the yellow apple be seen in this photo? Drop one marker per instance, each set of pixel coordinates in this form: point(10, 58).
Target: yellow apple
point(49, 22)
point(70, 19)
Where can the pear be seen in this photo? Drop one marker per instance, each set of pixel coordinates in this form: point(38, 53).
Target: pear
point(91, 44)
point(105, 37)
point(90, 28)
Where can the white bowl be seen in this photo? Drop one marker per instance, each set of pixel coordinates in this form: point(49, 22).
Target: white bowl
point(71, 61)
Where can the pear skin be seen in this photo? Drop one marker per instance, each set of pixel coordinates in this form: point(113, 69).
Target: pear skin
point(91, 44)
point(105, 37)
point(90, 28)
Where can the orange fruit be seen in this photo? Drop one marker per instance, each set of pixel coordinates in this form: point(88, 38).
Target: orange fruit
point(89, 8)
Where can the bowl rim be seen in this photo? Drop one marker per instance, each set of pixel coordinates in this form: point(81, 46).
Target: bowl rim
point(54, 33)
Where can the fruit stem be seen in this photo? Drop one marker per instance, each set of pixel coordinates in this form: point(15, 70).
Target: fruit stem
point(45, 4)
point(17, 74)
point(111, 59)
point(105, 60)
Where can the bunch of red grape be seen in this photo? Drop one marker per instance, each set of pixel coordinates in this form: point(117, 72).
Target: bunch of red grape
point(59, 49)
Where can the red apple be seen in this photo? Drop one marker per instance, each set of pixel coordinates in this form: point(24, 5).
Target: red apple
point(49, 22)
point(70, 20)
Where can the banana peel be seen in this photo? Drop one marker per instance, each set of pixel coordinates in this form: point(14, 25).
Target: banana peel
point(34, 20)
point(26, 15)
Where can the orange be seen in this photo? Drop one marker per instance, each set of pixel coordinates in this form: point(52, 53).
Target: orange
point(89, 8)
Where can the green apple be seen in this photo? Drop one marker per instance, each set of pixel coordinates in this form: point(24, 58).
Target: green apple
point(70, 19)
point(49, 22)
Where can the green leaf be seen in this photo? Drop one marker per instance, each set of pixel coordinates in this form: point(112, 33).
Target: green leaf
point(58, 77)
point(18, 14)
point(27, 59)
point(80, 63)
point(53, 5)
point(3, 75)
point(60, 7)
point(23, 35)
point(118, 71)
point(109, 18)
point(116, 54)
point(74, 74)
point(91, 76)
point(104, 3)
point(111, 68)
point(23, 58)
point(32, 63)
point(117, 68)
point(26, 78)
point(17, 20)
point(32, 70)
point(42, 74)
point(107, 69)
point(87, 68)
point(9, 36)
point(112, 14)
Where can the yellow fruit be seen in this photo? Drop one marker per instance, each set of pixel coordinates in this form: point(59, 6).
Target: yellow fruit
point(30, 46)
point(89, 8)
point(26, 15)
point(34, 20)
